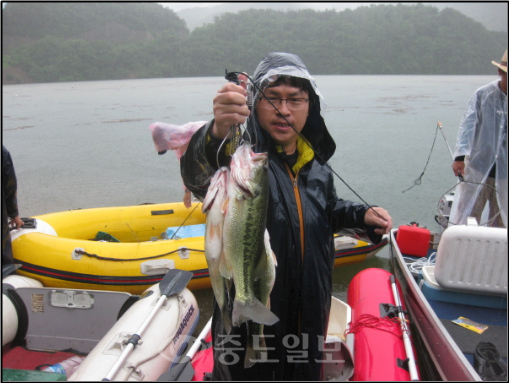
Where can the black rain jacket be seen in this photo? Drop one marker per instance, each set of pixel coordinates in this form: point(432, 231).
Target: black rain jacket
point(303, 214)
point(9, 204)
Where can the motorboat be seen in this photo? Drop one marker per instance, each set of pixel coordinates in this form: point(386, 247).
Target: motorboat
point(454, 283)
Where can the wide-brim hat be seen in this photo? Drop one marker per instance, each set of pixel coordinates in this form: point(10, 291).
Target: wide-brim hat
point(503, 63)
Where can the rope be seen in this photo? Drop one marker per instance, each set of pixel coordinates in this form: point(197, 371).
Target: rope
point(82, 252)
point(416, 265)
point(390, 325)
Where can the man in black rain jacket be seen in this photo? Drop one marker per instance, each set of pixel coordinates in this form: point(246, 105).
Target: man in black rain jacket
point(9, 209)
point(303, 213)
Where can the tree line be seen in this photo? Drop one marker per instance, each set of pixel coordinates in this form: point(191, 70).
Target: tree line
point(50, 42)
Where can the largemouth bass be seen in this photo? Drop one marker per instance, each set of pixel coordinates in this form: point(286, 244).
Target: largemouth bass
point(244, 247)
point(214, 205)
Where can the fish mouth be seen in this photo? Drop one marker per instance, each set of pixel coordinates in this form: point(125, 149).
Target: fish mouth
point(214, 199)
point(245, 191)
point(259, 157)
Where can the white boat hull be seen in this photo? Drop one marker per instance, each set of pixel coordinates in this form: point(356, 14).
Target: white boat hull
point(10, 318)
point(159, 346)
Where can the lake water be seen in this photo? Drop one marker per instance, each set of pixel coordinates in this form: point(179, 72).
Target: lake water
point(88, 144)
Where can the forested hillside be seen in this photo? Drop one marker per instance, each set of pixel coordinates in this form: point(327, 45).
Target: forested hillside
point(47, 42)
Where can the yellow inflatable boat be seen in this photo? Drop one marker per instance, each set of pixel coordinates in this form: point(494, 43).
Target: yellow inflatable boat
point(130, 248)
point(116, 248)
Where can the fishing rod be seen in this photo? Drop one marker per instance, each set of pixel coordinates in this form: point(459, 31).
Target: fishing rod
point(405, 330)
point(233, 77)
point(460, 177)
point(439, 125)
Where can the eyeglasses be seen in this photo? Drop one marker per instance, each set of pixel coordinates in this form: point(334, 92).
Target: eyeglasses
point(291, 103)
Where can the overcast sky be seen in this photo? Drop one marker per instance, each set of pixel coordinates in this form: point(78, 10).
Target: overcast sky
point(179, 6)
point(315, 5)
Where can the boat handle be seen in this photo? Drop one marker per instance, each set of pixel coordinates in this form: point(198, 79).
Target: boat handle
point(162, 212)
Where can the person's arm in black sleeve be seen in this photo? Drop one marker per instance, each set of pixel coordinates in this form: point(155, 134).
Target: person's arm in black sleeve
point(204, 155)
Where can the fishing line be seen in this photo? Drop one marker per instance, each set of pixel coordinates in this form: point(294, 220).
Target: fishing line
point(419, 179)
point(235, 141)
point(230, 77)
point(182, 224)
point(461, 180)
point(236, 132)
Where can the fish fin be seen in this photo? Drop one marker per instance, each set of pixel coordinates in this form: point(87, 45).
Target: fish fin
point(274, 258)
point(227, 322)
point(256, 311)
point(268, 249)
point(216, 232)
point(224, 270)
point(209, 200)
point(224, 207)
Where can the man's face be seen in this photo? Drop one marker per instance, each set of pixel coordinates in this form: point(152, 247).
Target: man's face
point(274, 122)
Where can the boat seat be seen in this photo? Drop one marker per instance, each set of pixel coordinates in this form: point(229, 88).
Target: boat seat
point(338, 353)
point(61, 319)
point(472, 258)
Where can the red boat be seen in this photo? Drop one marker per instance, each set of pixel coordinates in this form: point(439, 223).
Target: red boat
point(203, 360)
point(381, 352)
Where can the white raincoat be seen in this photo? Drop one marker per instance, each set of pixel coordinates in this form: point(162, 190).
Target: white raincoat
point(482, 139)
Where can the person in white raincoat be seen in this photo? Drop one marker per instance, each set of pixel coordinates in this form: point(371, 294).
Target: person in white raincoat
point(481, 155)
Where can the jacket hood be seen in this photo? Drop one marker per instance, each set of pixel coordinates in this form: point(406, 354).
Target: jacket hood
point(277, 64)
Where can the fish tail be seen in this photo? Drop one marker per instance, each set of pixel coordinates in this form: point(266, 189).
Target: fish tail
point(224, 270)
point(255, 311)
point(227, 323)
point(252, 356)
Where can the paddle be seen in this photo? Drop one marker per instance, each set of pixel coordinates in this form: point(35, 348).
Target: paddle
point(184, 371)
point(173, 282)
point(412, 367)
